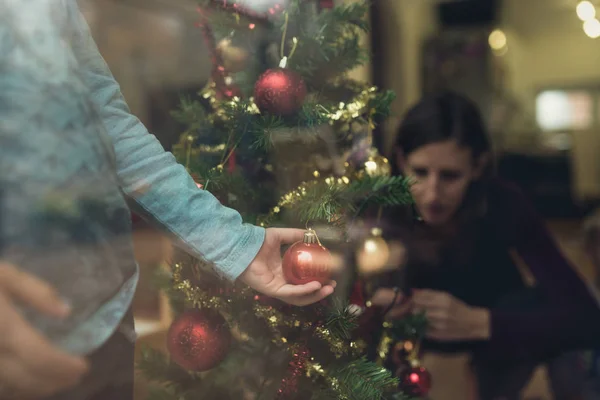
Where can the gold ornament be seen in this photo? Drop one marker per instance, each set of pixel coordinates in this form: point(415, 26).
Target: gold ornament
point(374, 254)
point(235, 59)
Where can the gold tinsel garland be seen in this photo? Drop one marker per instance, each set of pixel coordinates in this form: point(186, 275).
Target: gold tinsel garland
point(383, 349)
point(295, 196)
point(374, 165)
point(344, 113)
point(348, 112)
point(205, 149)
point(315, 370)
point(273, 318)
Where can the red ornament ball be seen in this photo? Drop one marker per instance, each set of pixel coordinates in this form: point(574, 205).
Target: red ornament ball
point(198, 340)
point(307, 261)
point(415, 381)
point(279, 91)
point(326, 4)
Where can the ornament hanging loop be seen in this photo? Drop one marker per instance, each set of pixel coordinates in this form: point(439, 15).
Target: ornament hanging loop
point(310, 237)
point(283, 62)
point(314, 238)
point(284, 58)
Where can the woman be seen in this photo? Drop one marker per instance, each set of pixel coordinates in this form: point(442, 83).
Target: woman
point(463, 237)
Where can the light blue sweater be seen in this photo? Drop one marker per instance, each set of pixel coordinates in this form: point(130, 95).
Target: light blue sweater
point(71, 155)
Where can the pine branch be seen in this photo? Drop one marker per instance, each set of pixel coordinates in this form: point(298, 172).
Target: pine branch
point(381, 190)
point(353, 14)
point(363, 380)
point(329, 43)
point(268, 129)
point(411, 327)
point(340, 321)
point(191, 113)
point(163, 280)
point(402, 396)
point(264, 131)
point(156, 366)
point(346, 55)
point(325, 201)
point(238, 117)
point(164, 393)
point(382, 103)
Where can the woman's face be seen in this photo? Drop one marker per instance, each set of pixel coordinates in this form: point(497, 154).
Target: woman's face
point(441, 174)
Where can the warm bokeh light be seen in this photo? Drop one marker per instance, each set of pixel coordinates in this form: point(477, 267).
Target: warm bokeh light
point(592, 28)
point(373, 256)
point(585, 11)
point(497, 40)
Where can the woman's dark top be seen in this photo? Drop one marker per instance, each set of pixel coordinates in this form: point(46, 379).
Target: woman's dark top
point(475, 263)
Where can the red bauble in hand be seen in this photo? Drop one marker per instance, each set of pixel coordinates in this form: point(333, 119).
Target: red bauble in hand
point(415, 381)
point(307, 261)
point(198, 340)
point(279, 91)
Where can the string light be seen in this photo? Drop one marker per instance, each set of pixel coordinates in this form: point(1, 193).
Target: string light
point(373, 256)
point(591, 27)
point(497, 40)
point(585, 11)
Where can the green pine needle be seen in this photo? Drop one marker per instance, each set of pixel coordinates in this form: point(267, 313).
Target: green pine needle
point(340, 321)
point(330, 38)
point(163, 280)
point(354, 14)
point(382, 103)
point(268, 130)
point(164, 393)
point(156, 366)
point(323, 201)
point(191, 113)
point(411, 327)
point(402, 396)
point(364, 380)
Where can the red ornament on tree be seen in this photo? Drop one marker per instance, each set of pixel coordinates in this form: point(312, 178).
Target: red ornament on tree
point(326, 4)
point(198, 340)
point(279, 91)
point(307, 261)
point(415, 381)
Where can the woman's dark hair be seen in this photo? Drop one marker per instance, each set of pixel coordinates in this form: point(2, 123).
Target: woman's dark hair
point(449, 116)
point(440, 117)
point(437, 118)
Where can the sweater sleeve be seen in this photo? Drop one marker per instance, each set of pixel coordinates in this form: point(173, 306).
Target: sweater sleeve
point(169, 196)
point(570, 316)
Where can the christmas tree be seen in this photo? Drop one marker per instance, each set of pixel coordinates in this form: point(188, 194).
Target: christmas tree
point(281, 134)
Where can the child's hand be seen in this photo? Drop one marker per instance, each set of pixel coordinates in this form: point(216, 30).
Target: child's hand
point(265, 273)
point(450, 319)
point(30, 366)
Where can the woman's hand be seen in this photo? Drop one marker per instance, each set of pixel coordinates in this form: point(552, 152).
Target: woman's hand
point(385, 297)
point(449, 318)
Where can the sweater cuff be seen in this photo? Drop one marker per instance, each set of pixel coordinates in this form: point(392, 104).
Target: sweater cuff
point(244, 253)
